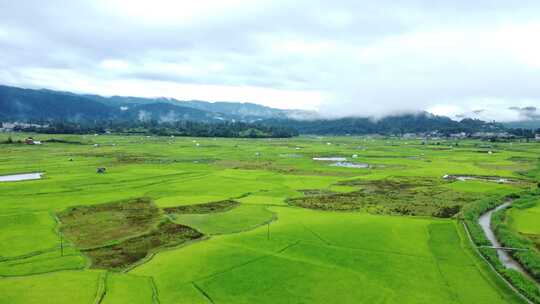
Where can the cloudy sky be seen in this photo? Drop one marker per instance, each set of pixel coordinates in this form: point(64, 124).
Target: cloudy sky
point(458, 58)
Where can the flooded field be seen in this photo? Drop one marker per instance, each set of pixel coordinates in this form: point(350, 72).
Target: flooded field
point(494, 179)
point(20, 177)
point(350, 165)
point(334, 158)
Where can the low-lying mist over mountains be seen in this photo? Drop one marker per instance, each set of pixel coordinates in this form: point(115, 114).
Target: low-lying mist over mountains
point(47, 106)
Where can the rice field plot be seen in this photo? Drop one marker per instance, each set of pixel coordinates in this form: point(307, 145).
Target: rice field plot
point(316, 257)
point(242, 218)
point(204, 220)
point(526, 220)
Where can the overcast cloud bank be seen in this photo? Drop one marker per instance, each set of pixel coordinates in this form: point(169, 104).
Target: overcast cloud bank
point(368, 58)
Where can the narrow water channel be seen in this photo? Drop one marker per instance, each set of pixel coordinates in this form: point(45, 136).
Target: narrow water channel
point(506, 259)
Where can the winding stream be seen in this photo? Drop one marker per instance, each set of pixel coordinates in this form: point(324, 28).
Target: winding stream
point(506, 259)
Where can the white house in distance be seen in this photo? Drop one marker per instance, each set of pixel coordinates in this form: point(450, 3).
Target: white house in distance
point(537, 137)
point(31, 141)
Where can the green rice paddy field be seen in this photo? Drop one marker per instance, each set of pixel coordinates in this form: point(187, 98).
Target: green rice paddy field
point(203, 220)
point(526, 220)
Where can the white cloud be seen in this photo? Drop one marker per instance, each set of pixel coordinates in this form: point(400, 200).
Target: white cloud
point(114, 65)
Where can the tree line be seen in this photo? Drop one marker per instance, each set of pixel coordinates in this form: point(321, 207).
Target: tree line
point(152, 127)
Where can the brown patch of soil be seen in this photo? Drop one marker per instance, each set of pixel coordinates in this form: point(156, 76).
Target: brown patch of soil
point(132, 250)
point(314, 192)
point(116, 235)
point(212, 207)
point(95, 225)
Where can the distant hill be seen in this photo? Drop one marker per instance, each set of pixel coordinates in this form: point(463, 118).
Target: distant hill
point(23, 104)
point(26, 105)
point(524, 124)
point(166, 112)
point(399, 124)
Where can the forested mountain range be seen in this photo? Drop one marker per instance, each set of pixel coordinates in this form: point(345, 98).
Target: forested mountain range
point(84, 110)
point(48, 105)
point(398, 125)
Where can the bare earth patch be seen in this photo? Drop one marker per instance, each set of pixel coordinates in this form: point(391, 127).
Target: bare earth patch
point(132, 250)
point(220, 206)
point(94, 225)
